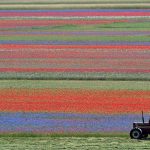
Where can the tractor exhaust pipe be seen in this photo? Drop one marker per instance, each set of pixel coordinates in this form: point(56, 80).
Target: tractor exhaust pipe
point(142, 117)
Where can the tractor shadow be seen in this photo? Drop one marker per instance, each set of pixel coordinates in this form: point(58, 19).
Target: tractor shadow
point(145, 139)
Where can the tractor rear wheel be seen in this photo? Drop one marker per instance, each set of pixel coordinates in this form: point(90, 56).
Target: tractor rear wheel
point(136, 133)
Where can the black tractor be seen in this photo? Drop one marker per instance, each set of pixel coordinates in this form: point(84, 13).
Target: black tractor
point(140, 129)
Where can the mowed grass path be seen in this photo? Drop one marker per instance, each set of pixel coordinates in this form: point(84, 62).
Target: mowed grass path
point(72, 143)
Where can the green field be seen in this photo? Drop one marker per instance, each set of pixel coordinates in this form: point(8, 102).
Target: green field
point(72, 143)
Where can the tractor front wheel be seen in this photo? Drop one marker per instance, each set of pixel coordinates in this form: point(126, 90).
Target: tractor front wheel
point(136, 133)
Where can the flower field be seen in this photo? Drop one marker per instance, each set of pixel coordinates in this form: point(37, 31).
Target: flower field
point(72, 106)
point(70, 66)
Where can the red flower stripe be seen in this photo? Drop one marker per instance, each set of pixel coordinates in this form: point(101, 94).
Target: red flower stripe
point(74, 70)
point(20, 46)
point(69, 14)
point(29, 23)
point(83, 101)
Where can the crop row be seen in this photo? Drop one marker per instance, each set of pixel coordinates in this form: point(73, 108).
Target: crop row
point(75, 76)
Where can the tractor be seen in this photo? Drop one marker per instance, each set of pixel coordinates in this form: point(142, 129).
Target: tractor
point(140, 129)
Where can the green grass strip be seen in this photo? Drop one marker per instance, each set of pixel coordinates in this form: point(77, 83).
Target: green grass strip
point(75, 76)
point(75, 38)
point(134, 26)
point(63, 84)
point(115, 134)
